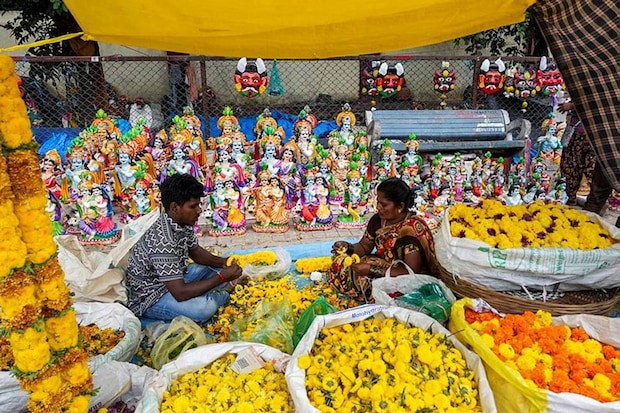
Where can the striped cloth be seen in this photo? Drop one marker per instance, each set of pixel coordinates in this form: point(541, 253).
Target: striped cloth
point(583, 38)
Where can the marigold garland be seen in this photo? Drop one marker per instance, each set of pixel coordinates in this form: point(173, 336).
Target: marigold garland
point(256, 258)
point(42, 329)
point(216, 388)
point(309, 265)
point(551, 357)
point(386, 366)
point(535, 225)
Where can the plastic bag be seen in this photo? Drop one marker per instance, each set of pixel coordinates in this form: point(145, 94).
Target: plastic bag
point(383, 290)
point(319, 307)
point(275, 84)
point(271, 323)
point(428, 299)
point(296, 377)
point(183, 334)
point(512, 393)
point(271, 272)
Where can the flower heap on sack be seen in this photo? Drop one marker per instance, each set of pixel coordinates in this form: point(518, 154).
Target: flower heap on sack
point(386, 366)
point(551, 357)
point(312, 264)
point(35, 304)
point(536, 225)
point(245, 299)
point(217, 388)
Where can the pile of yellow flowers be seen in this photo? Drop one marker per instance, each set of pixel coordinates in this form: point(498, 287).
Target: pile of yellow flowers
point(309, 265)
point(245, 299)
point(36, 314)
point(535, 225)
point(386, 366)
point(216, 388)
point(255, 258)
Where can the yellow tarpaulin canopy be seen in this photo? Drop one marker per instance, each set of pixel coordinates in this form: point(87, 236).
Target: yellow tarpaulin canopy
point(288, 29)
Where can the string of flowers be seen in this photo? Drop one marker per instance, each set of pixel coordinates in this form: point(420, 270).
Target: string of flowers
point(551, 357)
point(36, 315)
point(309, 265)
point(535, 225)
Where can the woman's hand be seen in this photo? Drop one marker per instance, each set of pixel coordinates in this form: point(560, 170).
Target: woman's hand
point(340, 247)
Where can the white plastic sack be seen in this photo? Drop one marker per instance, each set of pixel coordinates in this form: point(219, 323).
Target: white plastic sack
point(537, 268)
point(99, 276)
point(116, 380)
point(113, 315)
point(118, 317)
point(281, 267)
point(384, 286)
point(296, 377)
point(195, 359)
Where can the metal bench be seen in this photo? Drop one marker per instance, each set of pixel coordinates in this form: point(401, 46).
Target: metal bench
point(448, 130)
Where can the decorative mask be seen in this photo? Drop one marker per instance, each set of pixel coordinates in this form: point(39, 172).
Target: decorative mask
point(445, 79)
point(549, 78)
point(390, 79)
point(251, 77)
point(491, 77)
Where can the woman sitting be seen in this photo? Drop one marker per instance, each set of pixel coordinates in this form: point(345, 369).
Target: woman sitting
point(396, 233)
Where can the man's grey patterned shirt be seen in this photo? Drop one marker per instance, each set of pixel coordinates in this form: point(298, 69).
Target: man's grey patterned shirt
point(160, 255)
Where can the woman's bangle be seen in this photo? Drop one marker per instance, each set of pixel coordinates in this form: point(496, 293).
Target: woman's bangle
point(221, 277)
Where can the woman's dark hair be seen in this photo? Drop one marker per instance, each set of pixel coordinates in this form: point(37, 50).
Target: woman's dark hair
point(180, 188)
point(397, 191)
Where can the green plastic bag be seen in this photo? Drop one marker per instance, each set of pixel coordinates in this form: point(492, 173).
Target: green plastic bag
point(428, 299)
point(275, 83)
point(319, 307)
point(182, 334)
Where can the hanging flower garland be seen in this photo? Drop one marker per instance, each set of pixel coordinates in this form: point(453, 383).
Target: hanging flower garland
point(36, 317)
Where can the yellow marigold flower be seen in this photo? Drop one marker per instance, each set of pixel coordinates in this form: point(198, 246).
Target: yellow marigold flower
point(506, 351)
point(526, 362)
point(304, 362)
point(79, 404)
point(488, 340)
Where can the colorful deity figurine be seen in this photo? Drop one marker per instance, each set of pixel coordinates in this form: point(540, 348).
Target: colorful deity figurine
point(306, 141)
point(181, 163)
point(226, 168)
point(550, 144)
point(227, 205)
point(444, 81)
point(75, 171)
point(51, 172)
point(143, 198)
point(353, 202)
point(270, 210)
point(289, 174)
point(498, 179)
point(491, 78)
point(411, 156)
point(387, 155)
point(346, 121)
point(340, 170)
point(160, 153)
point(251, 77)
point(95, 214)
point(54, 209)
point(476, 182)
point(269, 145)
point(315, 214)
point(390, 79)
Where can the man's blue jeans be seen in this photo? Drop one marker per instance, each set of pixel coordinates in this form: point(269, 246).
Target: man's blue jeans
point(200, 308)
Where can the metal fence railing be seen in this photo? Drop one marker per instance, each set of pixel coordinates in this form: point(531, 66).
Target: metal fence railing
point(67, 91)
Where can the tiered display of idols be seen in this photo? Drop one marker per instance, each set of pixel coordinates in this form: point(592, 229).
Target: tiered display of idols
point(40, 325)
point(274, 178)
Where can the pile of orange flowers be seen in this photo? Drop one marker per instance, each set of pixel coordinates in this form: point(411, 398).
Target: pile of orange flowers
point(36, 317)
point(551, 357)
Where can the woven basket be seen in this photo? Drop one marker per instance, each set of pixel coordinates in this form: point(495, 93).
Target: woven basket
point(599, 302)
